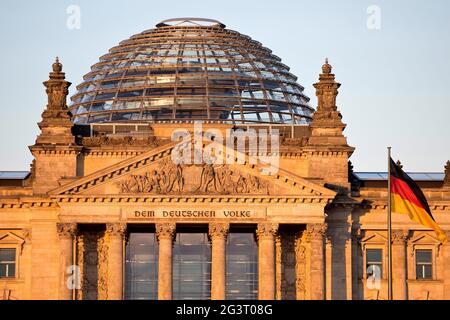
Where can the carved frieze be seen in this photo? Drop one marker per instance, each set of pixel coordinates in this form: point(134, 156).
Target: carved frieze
point(92, 250)
point(300, 267)
point(286, 266)
point(170, 178)
point(102, 140)
point(294, 142)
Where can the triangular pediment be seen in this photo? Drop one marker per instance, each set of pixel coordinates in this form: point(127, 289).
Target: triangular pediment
point(374, 238)
point(425, 238)
point(11, 238)
point(154, 173)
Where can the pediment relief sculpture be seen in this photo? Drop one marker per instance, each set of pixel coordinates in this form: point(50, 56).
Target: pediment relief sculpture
point(169, 178)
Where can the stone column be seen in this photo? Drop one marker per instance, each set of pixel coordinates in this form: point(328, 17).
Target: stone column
point(116, 233)
point(66, 232)
point(399, 288)
point(266, 233)
point(218, 233)
point(165, 233)
point(315, 234)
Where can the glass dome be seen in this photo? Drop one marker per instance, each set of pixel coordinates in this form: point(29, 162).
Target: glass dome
point(190, 69)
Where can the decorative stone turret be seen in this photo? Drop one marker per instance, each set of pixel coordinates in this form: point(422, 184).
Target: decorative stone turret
point(327, 147)
point(447, 175)
point(55, 150)
point(327, 125)
point(56, 127)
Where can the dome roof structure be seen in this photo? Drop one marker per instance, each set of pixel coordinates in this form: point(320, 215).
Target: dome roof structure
point(190, 69)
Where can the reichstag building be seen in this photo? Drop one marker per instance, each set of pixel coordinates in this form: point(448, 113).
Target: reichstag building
point(106, 213)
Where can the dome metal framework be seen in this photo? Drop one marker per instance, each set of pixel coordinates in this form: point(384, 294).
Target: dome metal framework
point(190, 69)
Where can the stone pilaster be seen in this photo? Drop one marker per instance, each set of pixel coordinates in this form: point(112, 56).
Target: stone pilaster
point(266, 233)
point(218, 232)
point(446, 269)
point(165, 233)
point(116, 234)
point(399, 287)
point(66, 233)
point(315, 234)
point(300, 267)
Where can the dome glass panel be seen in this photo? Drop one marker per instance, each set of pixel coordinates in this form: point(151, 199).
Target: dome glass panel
point(190, 69)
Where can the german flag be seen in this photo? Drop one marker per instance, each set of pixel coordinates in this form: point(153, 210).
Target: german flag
point(407, 198)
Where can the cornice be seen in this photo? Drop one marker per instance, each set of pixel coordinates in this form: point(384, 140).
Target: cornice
point(143, 198)
point(27, 203)
point(382, 204)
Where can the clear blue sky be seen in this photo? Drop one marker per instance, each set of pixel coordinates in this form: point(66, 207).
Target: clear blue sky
point(395, 81)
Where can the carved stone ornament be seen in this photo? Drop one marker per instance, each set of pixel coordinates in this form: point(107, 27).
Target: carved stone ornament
point(26, 235)
point(399, 236)
point(447, 175)
point(57, 90)
point(316, 231)
point(117, 229)
point(267, 230)
point(218, 231)
point(170, 178)
point(165, 231)
point(294, 142)
point(102, 140)
point(66, 230)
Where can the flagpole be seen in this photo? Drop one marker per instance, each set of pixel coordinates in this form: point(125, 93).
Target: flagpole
point(389, 218)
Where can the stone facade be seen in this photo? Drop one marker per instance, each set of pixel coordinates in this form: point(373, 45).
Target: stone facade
point(312, 220)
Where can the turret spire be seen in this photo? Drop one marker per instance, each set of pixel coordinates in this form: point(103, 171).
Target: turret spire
point(56, 117)
point(327, 118)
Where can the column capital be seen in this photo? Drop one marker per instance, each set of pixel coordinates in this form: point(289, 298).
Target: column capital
point(116, 229)
point(165, 230)
point(316, 231)
point(266, 230)
point(399, 236)
point(218, 231)
point(66, 230)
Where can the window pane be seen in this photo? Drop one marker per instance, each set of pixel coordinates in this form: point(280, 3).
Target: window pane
point(141, 267)
point(424, 264)
point(191, 267)
point(7, 263)
point(7, 255)
point(374, 262)
point(374, 256)
point(242, 266)
point(423, 256)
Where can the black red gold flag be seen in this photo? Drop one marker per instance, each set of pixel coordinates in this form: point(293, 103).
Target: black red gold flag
point(408, 198)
